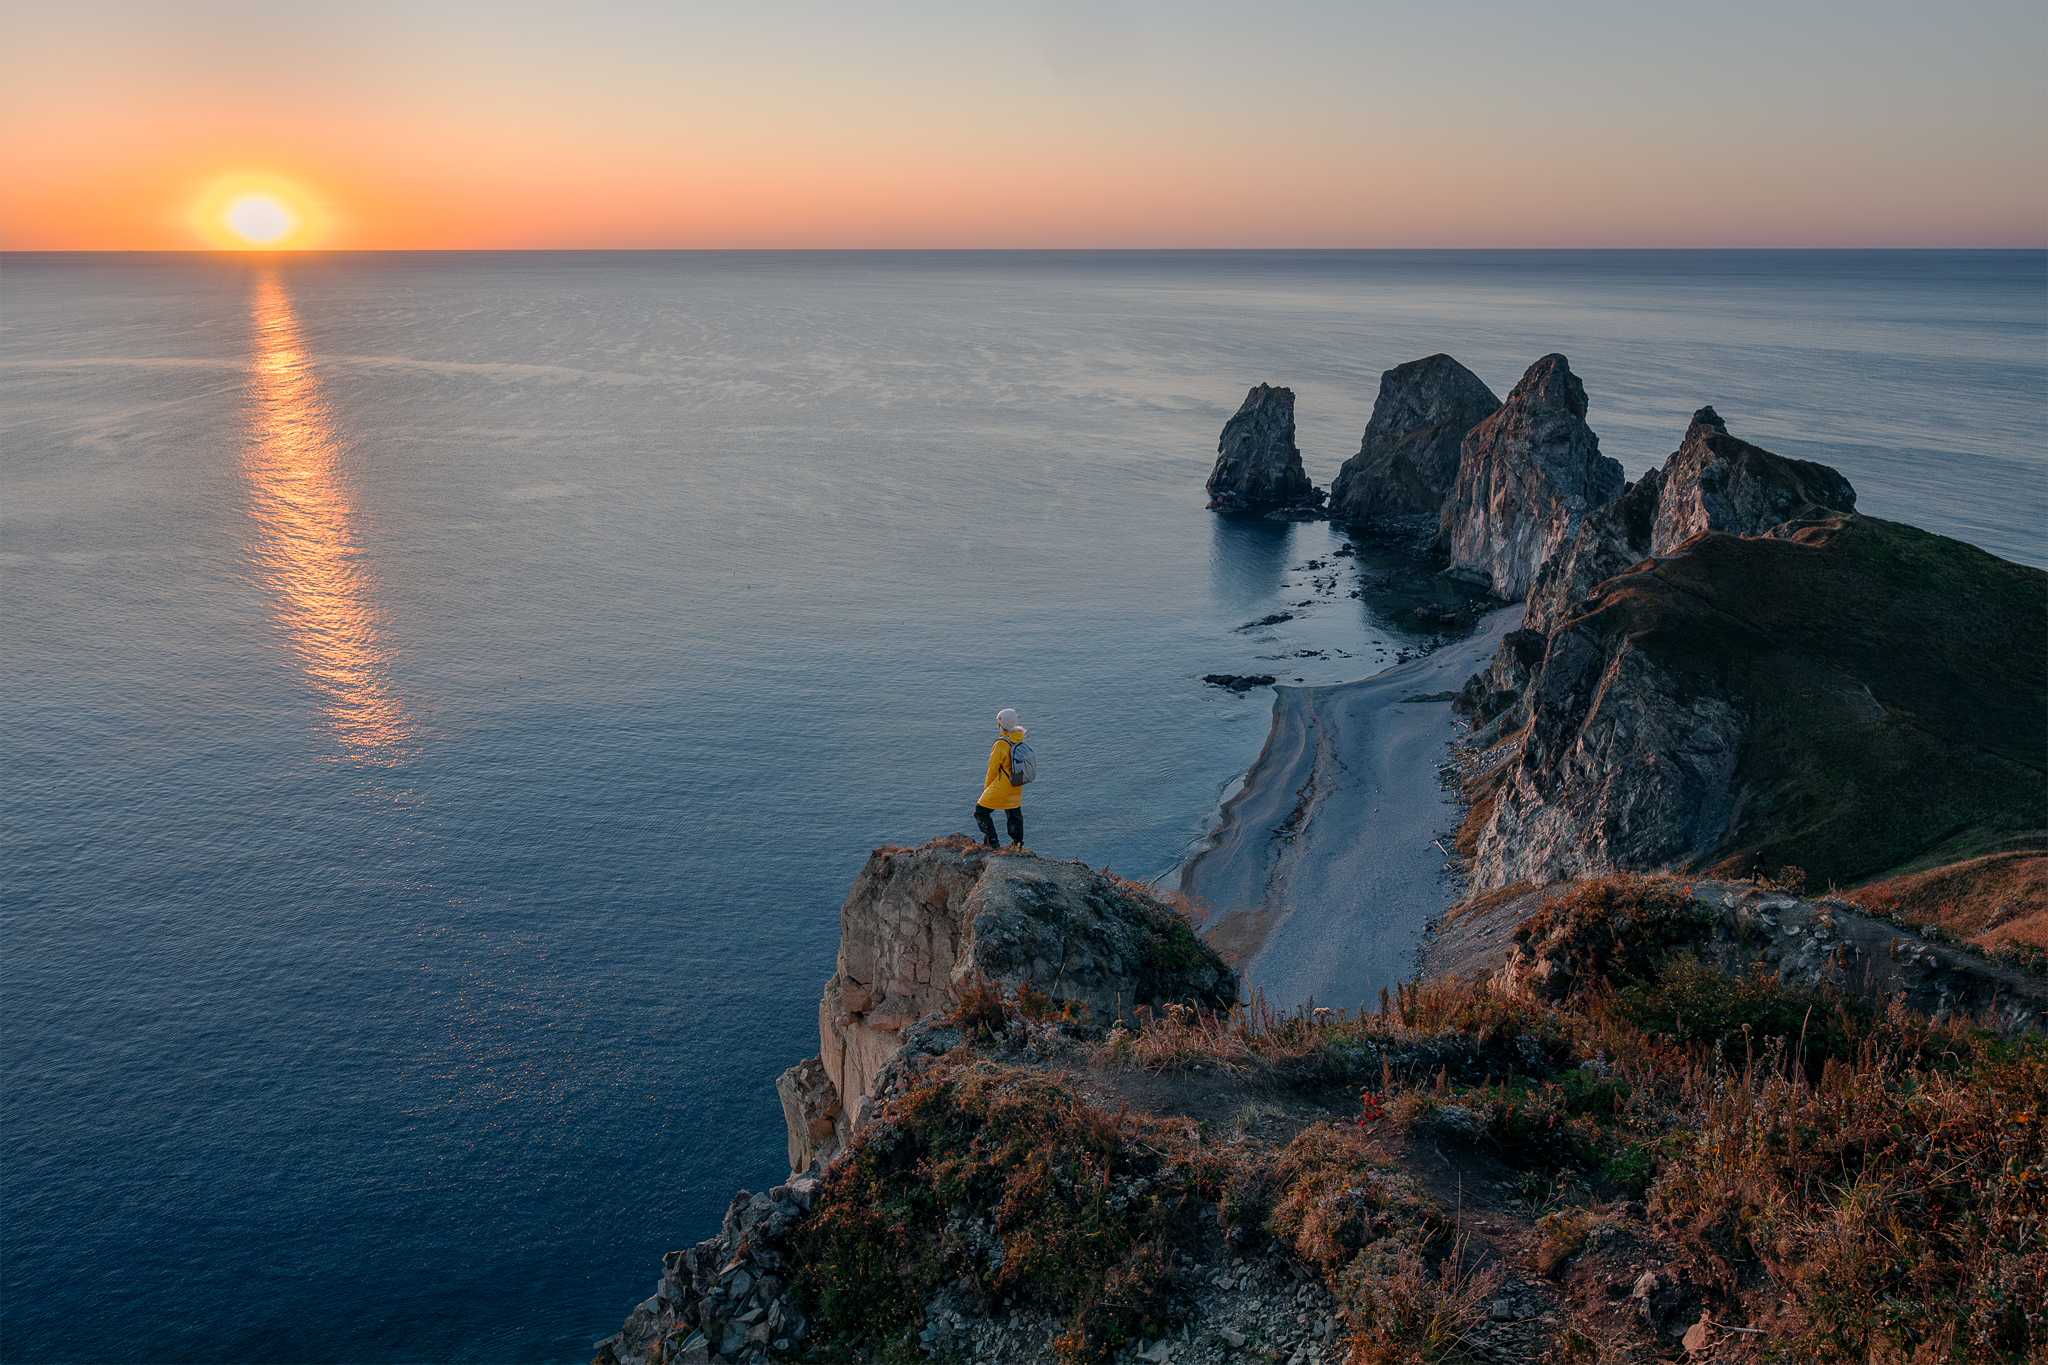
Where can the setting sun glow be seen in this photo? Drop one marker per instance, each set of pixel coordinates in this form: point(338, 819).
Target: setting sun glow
point(256, 212)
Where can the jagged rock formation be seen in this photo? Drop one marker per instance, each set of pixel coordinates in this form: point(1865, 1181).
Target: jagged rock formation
point(1258, 467)
point(1844, 694)
point(1712, 482)
point(1611, 540)
point(1407, 462)
point(921, 922)
point(1527, 475)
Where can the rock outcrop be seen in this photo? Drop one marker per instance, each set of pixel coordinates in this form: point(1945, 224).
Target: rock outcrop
point(1527, 475)
point(1407, 462)
point(1805, 944)
point(1845, 694)
point(1715, 482)
point(1526, 948)
point(724, 1298)
point(1258, 466)
point(1712, 482)
point(1610, 540)
point(921, 923)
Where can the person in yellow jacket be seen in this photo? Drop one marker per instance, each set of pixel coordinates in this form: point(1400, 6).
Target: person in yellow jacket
point(999, 792)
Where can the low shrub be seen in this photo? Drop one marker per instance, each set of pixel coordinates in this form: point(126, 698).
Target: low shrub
point(1559, 1237)
point(1405, 1309)
point(1338, 1199)
point(977, 1008)
point(1615, 930)
point(1003, 1179)
point(1742, 1017)
point(1901, 1205)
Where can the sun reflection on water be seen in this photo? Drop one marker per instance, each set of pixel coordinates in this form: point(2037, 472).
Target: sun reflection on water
point(305, 550)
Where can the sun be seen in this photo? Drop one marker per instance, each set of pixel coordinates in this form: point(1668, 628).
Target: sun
point(257, 211)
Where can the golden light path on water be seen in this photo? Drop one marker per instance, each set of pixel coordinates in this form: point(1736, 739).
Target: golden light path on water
point(305, 549)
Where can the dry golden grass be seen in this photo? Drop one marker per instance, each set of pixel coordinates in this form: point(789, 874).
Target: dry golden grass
point(1886, 1174)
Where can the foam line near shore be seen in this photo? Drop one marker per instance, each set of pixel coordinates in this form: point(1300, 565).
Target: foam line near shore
point(1324, 872)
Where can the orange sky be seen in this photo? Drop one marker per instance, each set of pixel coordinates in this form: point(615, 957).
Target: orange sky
point(615, 124)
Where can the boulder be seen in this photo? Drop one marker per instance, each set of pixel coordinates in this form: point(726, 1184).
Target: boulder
point(921, 922)
point(1407, 462)
point(1527, 475)
point(1258, 467)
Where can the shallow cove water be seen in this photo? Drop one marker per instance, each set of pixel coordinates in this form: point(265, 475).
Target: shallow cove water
point(447, 696)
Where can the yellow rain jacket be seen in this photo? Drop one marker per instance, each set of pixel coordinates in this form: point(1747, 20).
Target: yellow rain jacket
point(1001, 793)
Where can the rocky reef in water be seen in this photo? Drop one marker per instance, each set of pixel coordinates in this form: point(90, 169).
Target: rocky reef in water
point(1258, 466)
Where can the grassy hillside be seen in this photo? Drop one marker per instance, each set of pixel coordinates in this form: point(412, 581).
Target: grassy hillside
point(1894, 685)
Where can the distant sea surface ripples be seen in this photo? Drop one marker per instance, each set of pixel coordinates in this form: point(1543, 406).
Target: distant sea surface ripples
point(447, 696)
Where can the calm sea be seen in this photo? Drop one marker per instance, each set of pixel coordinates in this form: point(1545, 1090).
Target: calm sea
point(447, 696)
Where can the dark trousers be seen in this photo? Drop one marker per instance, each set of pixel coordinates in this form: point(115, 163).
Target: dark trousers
point(986, 818)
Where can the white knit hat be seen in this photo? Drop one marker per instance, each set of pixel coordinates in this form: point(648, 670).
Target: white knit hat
point(1006, 719)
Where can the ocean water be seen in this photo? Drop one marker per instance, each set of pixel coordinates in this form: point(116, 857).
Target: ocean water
point(447, 696)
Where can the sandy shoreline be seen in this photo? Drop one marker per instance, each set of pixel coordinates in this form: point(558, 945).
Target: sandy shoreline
point(1324, 872)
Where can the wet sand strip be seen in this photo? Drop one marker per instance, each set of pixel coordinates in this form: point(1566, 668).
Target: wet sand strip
point(1324, 871)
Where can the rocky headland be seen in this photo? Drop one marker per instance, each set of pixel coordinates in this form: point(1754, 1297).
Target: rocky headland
point(1730, 1049)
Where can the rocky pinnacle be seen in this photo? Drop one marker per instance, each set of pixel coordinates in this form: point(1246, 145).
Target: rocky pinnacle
point(1407, 462)
point(1526, 476)
point(1258, 467)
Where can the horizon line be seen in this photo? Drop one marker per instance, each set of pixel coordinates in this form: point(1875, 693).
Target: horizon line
point(1274, 250)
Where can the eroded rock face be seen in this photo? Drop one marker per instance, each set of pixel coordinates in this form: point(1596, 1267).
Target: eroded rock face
point(1841, 694)
point(1714, 482)
point(1610, 540)
point(1527, 475)
point(1622, 766)
point(1407, 463)
point(1258, 466)
point(810, 1110)
point(726, 1295)
point(921, 921)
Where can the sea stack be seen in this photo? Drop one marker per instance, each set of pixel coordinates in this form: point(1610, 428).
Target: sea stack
point(1258, 467)
point(1526, 476)
point(1712, 482)
point(1407, 463)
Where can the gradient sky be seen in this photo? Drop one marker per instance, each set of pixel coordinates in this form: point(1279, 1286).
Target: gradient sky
point(629, 123)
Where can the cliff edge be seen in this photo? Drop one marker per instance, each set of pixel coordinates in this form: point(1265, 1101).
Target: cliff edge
point(922, 924)
point(1851, 696)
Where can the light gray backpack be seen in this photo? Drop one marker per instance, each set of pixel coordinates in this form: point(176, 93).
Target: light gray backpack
point(1023, 763)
